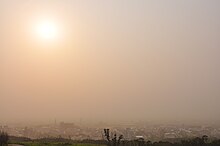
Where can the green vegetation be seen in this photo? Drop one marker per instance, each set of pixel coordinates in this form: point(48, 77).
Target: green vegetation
point(55, 144)
point(198, 141)
point(53, 141)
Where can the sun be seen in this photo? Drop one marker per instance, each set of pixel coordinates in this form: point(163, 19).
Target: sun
point(47, 30)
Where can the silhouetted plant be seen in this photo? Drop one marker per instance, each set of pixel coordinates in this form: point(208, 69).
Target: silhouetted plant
point(3, 138)
point(114, 141)
point(148, 143)
point(205, 139)
point(107, 134)
point(140, 142)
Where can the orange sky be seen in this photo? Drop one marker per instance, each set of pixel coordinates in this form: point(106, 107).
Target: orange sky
point(110, 60)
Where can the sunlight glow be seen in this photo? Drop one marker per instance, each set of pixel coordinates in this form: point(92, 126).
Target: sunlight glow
point(47, 30)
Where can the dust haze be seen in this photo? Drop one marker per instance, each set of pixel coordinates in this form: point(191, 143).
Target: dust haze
point(117, 61)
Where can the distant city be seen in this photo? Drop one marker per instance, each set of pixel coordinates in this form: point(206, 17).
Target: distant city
point(74, 131)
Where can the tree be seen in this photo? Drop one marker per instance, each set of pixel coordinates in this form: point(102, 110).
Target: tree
point(148, 143)
point(3, 138)
point(205, 138)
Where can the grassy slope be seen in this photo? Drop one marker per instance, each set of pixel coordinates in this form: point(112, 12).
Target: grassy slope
point(54, 144)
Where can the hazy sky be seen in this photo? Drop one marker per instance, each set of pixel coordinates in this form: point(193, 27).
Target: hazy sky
point(110, 61)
